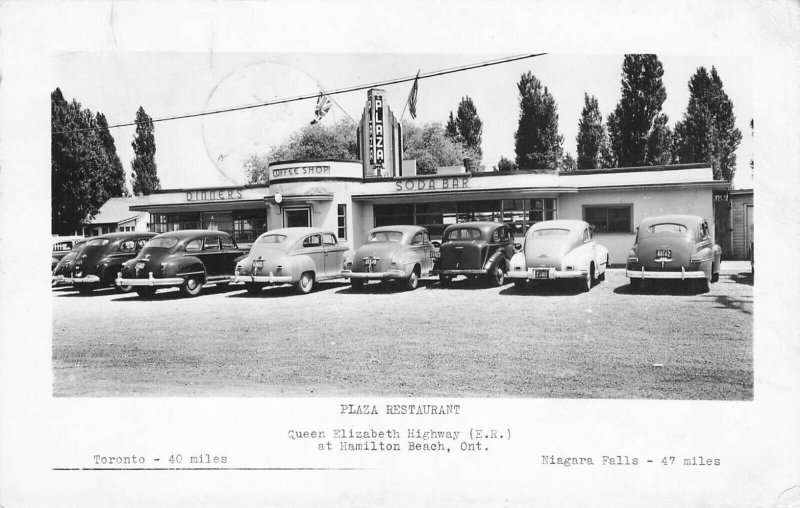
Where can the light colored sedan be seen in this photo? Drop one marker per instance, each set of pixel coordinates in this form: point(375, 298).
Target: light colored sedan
point(403, 253)
point(298, 256)
point(560, 249)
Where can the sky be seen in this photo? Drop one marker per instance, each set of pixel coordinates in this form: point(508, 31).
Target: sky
point(210, 150)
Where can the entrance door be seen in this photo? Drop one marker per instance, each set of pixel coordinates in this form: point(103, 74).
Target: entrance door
point(296, 217)
point(748, 229)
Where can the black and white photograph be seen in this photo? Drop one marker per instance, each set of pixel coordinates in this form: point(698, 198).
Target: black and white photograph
point(367, 254)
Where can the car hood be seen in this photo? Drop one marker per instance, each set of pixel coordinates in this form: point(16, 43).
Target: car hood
point(548, 252)
point(384, 252)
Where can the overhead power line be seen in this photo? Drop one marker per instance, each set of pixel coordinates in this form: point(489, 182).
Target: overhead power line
point(316, 94)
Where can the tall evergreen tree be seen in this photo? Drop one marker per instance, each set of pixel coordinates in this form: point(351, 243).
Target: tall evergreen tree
point(592, 138)
point(537, 141)
point(631, 123)
point(469, 124)
point(145, 177)
point(660, 147)
point(79, 165)
point(707, 132)
point(451, 129)
point(115, 178)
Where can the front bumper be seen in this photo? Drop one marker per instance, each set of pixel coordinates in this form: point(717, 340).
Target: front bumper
point(682, 275)
point(150, 281)
point(58, 280)
point(546, 274)
point(265, 279)
point(89, 279)
point(389, 274)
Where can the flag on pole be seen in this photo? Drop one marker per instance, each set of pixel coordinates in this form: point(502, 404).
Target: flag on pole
point(412, 98)
point(323, 106)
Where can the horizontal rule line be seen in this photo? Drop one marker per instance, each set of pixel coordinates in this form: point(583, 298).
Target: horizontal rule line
point(207, 469)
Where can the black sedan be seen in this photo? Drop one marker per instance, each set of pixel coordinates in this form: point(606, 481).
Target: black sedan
point(476, 249)
point(185, 259)
point(97, 263)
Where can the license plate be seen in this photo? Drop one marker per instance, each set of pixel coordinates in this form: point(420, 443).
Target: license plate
point(664, 253)
point(541, 274)
point(258, 263)
point(140, 265)
point(370, 261)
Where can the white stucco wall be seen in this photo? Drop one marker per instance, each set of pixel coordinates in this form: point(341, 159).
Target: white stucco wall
point(645, 203)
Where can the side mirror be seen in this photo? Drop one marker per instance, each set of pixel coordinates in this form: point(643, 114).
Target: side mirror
point(518, 246)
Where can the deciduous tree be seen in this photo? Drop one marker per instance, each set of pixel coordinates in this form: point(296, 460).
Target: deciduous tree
point(431, 148)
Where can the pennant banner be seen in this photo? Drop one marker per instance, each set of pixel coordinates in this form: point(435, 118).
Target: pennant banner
point(323, 106)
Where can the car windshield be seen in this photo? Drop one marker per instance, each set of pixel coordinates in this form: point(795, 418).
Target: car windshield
point(166, 242)
point(97, 242)
point(271, 239)
point(463, 234)
point(385, 236)
point(551, 232)
point(666, 228)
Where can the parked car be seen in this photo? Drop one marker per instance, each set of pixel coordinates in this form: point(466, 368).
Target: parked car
point(674, 247)
point(298, 256)
point(63, 245)
point(403, 253)
point(476, 249)
point(560, 249)
point(63, 268)
point(98, 261)
point(186, 259)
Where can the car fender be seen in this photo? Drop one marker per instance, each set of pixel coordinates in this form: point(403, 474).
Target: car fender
point(579, 258)
point(185, 266)
point(299, 265)
point(495, 259)
point(406, 260)
point(518, 261)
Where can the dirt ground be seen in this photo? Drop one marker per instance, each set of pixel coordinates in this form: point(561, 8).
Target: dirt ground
point(467, 340)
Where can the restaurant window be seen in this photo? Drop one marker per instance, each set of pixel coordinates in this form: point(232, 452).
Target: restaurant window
point(609, 218)
point(249, 225)
point(341, 218)
point(541, 209)
point(435, 216)
point(392, 215)
point(163, 222)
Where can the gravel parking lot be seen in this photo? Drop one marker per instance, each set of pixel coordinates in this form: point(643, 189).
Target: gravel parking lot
point(668, 342)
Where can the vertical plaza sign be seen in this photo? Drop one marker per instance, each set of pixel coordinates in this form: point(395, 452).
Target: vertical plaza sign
point(376, 130)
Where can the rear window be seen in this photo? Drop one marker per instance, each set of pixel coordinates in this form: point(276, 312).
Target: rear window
point(162, 243)
point(463, 234)
point(97, 242)
point(272, 239)
point(666, 228)
point(385, 236)
point(62, 247)
point(551, 232)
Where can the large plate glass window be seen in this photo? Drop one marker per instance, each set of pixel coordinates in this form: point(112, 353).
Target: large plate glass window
point(297, 217)
point(609, 218)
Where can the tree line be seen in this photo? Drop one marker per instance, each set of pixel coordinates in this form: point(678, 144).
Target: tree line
point(85, 169)
point(635, 133)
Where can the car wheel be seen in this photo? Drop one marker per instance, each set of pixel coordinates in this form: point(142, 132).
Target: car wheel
point(602, 276)
point(412, 281)
point(191, 287)
point(123, 289)
point(253, 288)
point(146, 292)
point(704, 285)
point(519, 285)
point(498, 277)
point(715, 277)
point(636, 284)
point(445, 280)
point(305, 284)
point(356, 283)
point(586, 284)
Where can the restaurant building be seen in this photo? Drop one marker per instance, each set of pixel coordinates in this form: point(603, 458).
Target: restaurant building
point(350, 197)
